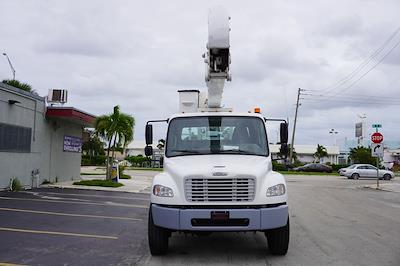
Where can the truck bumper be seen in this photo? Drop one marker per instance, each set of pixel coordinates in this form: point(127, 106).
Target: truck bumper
point(200, 219)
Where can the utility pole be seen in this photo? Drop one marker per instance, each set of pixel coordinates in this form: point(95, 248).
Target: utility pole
point(294, 125)
point(11, 66)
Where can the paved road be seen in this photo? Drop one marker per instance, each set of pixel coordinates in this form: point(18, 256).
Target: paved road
point(333, 222)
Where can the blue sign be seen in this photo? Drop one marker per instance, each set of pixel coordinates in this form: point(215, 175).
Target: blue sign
point(72, 144)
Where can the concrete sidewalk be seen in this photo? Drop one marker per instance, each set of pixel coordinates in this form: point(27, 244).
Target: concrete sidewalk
point(139, 183)
point(392, 187)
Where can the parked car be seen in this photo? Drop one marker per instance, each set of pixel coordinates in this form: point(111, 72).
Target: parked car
point(314, 167)
point(367, 171)
point(343, 170)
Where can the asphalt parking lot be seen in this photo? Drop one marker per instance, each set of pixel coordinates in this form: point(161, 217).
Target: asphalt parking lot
point(333, 222)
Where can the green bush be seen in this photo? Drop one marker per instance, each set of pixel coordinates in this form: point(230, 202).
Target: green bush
point(16, 185)
point(278, 166)
point(122, 175)
point(336, 167)
point(99, 183)
point(98, 160)
point(137, 161)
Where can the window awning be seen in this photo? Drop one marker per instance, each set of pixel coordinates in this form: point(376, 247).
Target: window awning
point(70, 114)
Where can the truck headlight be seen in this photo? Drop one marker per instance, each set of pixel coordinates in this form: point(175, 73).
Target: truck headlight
point(161, 191)
point(276, 190)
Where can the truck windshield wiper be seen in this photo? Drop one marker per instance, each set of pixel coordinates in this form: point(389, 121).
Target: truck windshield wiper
point(235, 150)
point(187, 151)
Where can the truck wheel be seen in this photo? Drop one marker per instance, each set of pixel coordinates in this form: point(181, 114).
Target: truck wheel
point(158, 237)
point(278, 239)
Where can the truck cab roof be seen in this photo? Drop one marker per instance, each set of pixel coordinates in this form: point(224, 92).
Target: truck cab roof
point(217, 114)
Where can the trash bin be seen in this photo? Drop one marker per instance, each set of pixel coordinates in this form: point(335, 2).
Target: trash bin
point(115, 172)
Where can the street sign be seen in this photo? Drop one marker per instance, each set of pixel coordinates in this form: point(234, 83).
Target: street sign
point(377, 150)
point(376, 125)
point(377, 137)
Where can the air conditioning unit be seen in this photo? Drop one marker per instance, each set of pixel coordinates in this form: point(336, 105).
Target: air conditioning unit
point(57, 96)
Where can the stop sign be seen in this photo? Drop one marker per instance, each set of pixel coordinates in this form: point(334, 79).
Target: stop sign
point(377, 137)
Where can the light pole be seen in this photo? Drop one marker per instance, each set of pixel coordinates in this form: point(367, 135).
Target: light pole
point(334, 133)
point(11, 66)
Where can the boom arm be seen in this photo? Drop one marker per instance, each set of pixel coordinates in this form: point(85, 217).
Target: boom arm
point(217, 58)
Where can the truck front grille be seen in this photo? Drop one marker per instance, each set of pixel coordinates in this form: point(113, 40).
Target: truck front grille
point(219, 189)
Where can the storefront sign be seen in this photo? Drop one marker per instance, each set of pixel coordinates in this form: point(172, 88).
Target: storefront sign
point(72, 144)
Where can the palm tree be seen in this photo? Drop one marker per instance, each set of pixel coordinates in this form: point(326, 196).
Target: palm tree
point(321, 152)
point(116, 129)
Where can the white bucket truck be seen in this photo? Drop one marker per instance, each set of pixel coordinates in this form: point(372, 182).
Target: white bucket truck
point(218, 173)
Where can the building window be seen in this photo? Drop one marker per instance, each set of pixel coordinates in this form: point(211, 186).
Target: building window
point(15, 138)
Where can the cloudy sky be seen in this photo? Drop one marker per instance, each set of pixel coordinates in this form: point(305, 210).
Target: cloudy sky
point(137, 54)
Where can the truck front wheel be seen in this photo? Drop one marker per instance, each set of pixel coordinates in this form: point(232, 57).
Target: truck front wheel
point(158, 237)
point(278, 239)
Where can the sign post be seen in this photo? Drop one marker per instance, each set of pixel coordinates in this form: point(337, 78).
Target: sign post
point(377, 149)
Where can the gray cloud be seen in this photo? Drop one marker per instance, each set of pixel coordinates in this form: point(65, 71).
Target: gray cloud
point(138, 55)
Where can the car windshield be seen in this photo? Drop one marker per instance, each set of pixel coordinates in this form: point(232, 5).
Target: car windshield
point(352, 166)
point(216, 135)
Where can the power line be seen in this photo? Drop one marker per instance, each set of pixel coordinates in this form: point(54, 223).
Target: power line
point(360, 67)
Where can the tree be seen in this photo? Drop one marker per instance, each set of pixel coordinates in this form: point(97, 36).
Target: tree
point(93, 147)
point(320, 153)
point(117, 130)
point(361, 155)
point(17, 84)
point(282, 155)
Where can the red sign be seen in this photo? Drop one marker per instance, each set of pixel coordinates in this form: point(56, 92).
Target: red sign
point(377, 137)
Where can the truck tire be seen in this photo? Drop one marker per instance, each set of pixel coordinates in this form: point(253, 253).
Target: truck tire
point(158, 237)
point(278, 239)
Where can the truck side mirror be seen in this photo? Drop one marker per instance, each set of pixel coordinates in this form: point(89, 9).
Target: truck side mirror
point(284, 131)
point(148, 150)
point(149, 134)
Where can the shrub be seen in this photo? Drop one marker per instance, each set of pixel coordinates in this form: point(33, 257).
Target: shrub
point(99, 183)
point(336, 167)
point(278, 166)
point(122, 175)
point(137, 161)
point(16, 185)
point(45, 182)
point(98, 160)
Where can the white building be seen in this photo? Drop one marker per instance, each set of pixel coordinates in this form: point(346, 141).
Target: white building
point(305, 153)
point(136, 147)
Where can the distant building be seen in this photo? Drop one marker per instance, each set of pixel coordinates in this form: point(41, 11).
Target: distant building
point(305, 153)
point(38, 142)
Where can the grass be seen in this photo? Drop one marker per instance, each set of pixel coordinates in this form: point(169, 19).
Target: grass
point(306, 173)
point(98, 183)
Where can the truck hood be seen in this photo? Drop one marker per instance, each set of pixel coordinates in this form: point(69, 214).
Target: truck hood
point(217, 165)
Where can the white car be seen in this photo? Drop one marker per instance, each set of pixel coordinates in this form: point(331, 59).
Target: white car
point(356, 171)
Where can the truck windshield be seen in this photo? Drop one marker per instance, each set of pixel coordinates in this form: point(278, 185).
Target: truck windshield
point(216, 135)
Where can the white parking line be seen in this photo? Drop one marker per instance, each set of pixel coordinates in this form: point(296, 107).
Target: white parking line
point(54, 233)
point(71, 214)
point(76, 202)
point(85, 195)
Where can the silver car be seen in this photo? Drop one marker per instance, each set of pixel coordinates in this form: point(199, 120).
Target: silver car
point(368, 171)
